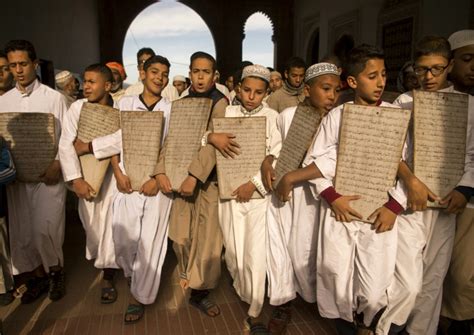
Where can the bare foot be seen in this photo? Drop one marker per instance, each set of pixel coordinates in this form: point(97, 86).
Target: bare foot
point(184, 283)
point(106, 283)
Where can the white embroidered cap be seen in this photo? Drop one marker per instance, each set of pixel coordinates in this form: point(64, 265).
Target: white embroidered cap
point(461, 39)
point(179, 78)
point(62, 77)
point(320, 69)
point(256, 70)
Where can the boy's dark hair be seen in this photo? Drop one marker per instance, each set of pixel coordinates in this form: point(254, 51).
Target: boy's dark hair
point(156, 59)
point(332, 59)
point(238, 73)
point(295, 62)
point(237, 76)
point(343, 47)
point(202, 54)
point(21, 45)
point(359, 56)
point(102, 69)
point(144, 51)
point(2, 54)
point(433, 45)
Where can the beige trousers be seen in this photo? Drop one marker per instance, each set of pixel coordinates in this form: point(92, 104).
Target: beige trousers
point(194, 229)
point(458, 298)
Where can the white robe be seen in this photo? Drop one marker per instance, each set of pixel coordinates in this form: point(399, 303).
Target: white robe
point(292, 237)
point(354, 264)
point(425, 245)
point(140, 225)
point(244, 230)
point(95, 215)
point(36, 210)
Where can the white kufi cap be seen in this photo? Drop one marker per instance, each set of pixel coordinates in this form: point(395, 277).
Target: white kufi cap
point(461, 39)
point(320, 69)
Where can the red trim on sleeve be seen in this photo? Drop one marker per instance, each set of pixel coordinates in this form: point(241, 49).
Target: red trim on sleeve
point(394, 206)
point(330, 195)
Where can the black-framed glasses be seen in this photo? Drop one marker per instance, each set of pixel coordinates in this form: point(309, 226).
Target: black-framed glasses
point(436, 70)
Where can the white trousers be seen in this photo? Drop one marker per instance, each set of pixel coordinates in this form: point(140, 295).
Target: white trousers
point(243, 229)
point(36, 221)
point(291, 248)
point(354, 269)
point(424, 252)
point(140, 232)
point(96, 218)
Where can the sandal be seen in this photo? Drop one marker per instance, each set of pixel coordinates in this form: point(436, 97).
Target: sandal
point(108, 295)
point(134, 310)
point(35, 287)
point(257, 328)
point(205, 305)
point(281, 317)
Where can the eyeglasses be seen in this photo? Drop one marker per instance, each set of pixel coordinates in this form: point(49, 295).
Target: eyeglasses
point(436, 70)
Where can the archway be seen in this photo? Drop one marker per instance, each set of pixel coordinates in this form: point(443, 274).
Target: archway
point(312, 56)
point(172, 30)
point(257, 45)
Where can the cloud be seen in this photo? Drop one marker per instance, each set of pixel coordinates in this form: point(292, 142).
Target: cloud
point(167, 20)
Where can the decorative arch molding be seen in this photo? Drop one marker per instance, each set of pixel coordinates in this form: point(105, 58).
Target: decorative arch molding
point(116, 16)
point(264, 43)
point(345, 24)
point(311, 27)
point(264, 14)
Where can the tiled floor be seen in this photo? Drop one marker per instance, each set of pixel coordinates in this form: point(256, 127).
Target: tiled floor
point(80, 312)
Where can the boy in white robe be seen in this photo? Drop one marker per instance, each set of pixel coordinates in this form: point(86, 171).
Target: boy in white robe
point(36, 210)
point(140, 219)
point(355, 260)
point(94, 212)
point(293, 213)
point(242, 219)
point(426, 235)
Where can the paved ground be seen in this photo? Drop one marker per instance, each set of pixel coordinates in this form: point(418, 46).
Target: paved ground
point(80, 312)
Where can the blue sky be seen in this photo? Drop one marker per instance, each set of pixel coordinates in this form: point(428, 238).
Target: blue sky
point(175, 31)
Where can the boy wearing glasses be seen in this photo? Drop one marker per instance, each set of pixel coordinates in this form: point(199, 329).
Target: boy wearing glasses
point(425, 235)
